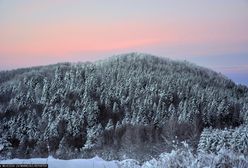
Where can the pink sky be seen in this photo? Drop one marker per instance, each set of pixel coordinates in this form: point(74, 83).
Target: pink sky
point(46, 32)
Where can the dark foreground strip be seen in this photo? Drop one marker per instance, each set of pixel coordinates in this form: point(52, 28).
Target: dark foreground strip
point(24, 165)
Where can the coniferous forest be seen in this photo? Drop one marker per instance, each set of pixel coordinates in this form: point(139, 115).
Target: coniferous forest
point(127, 106)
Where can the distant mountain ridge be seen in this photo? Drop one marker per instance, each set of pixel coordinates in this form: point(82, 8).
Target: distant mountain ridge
point(128, 106)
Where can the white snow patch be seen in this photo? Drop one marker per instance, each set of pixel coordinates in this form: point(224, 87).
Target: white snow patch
point(1, 147)
point(95, 162)
point(177, 158)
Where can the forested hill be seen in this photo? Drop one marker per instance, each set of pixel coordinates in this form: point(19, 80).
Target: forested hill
point(131, 105)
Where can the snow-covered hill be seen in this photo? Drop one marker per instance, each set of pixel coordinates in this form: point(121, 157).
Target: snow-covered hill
point(129, 106)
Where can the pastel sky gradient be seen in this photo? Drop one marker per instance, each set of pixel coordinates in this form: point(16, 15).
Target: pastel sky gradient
point(211, 33)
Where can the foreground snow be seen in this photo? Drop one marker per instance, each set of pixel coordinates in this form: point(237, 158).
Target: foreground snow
point(57, 163)
point(179, 158)
point(185, 158)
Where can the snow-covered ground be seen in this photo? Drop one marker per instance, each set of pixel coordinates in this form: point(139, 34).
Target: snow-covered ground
point(95, 162)
point(178, 158)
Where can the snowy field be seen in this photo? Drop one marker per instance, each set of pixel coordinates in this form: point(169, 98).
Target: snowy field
point(178, 158)
point(95, 162)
